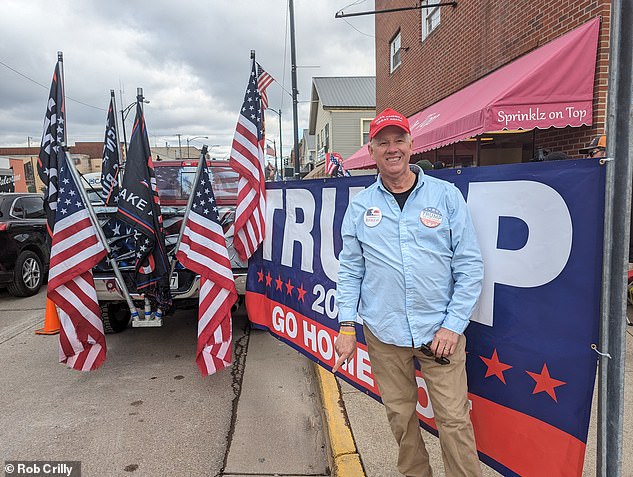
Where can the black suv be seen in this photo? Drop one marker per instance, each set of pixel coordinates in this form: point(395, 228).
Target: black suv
point(24, 253)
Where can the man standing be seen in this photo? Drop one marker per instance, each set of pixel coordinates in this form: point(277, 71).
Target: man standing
point(411, 273)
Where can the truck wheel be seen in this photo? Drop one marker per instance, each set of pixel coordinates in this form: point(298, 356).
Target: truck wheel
point(27, 275)
point(116, 317)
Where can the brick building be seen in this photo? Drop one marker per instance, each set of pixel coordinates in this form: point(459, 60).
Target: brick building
point(87, 157)
point(425, 57)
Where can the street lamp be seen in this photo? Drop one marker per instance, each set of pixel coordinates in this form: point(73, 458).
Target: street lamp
point(281, 149)
point(126, 111)
point(189, 139)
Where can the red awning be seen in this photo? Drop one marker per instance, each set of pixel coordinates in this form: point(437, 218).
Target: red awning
point(551, 86)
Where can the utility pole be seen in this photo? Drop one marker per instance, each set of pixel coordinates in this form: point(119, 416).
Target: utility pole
point(617, 230)
point(281, 149)
point(293, 60)
point(179, 145)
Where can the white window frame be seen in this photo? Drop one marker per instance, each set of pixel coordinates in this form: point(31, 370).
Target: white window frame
point(394, 52)
point(364, 122)
point(430, 19)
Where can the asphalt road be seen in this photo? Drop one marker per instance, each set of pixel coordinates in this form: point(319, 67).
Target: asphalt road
point(146, 411)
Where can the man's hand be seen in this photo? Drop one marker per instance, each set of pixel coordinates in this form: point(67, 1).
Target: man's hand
point(444, 342)
point(345, 347)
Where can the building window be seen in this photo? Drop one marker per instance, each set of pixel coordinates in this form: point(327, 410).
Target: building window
point(430, 18)
point(364, 131)
point(326, 140)
point(395, 52)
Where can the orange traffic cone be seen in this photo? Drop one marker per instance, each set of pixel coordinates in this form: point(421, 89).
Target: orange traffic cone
point(51, 320)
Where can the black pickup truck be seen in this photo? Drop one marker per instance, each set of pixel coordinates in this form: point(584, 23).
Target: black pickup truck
point(175, 184)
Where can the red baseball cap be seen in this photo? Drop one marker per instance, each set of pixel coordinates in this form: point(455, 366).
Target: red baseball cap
point(388, 117)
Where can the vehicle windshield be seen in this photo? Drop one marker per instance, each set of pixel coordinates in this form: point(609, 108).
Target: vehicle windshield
point(175, 183)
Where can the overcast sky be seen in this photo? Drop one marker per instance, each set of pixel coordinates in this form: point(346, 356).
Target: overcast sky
point(191, 57)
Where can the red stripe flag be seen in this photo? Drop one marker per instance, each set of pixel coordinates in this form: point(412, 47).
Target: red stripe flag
point(247, 159)
point(75, 246)
point(75, 250)
point(203, 250)
point(263, 82)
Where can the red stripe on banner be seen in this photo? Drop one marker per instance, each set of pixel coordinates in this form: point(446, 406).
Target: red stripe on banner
point(521, 443)
point(524, 444)
point(317, 340)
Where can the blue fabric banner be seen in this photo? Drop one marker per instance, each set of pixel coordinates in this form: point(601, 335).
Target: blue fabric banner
point(531, 369)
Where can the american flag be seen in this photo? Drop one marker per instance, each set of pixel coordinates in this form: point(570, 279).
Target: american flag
point(263, 81)
point(203, 251)
point(334, 165)
point(247, 159)
point(51, 150)
point(76, 249)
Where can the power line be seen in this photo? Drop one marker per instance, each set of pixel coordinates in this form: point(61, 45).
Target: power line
point(47, 87)
point(362, 33)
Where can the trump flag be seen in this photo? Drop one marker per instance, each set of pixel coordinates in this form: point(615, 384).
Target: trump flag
point(531, 367)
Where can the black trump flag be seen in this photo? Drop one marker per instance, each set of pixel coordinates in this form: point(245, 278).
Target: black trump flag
point(110, 161)
point(139, 207)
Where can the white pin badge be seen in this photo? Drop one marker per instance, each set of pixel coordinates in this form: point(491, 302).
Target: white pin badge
point(431, 217)
point(372, 217)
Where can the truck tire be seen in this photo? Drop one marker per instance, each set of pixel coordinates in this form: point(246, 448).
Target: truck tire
point(116, 317)
point(28, 275)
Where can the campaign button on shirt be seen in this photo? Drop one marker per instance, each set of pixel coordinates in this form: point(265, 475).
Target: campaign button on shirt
point(372, 217)
point(431, 217)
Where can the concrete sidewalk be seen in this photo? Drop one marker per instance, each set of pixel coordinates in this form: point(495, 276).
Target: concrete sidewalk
point(277, 429)
point(361, 442)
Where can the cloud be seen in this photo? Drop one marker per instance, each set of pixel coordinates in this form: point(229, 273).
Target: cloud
point(191, 58)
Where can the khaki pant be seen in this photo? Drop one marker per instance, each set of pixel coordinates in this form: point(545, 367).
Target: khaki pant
point(394, 371)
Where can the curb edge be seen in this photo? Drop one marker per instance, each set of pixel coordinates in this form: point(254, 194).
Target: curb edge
point(343, 456)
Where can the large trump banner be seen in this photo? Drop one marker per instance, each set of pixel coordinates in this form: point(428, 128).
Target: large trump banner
point(531, 367)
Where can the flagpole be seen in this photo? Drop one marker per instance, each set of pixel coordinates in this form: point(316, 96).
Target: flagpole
point(295, 92)
point(101, 235)
point(60, 60)
point(116, 128)
point(203, 155)
point(82, 192)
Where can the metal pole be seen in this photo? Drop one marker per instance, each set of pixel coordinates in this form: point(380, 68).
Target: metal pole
point(616, 240)
point(293, 59)
point(281, 148)
point(124, 135)
point(141, 99)
point(341, 14)
point(179, 145)
point(91, 212)
point(60, 60)
point(104, 241)
point(116, 128)
point(276, 170)
point(203, 156)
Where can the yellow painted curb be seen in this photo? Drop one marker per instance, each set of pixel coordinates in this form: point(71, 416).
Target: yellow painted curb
point(344, 458)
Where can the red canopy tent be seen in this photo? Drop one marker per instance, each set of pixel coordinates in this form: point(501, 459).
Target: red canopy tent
point(551, 86)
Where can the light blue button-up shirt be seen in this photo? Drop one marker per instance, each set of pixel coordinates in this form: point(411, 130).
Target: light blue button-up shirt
point(407, 273)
